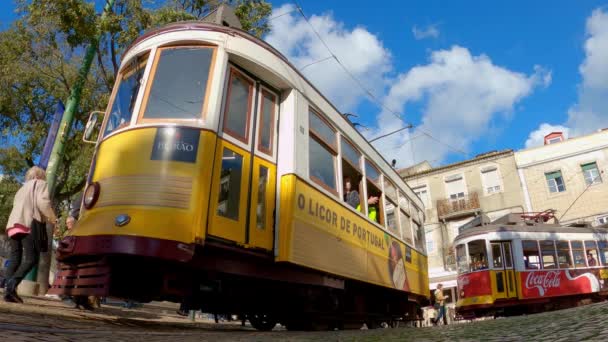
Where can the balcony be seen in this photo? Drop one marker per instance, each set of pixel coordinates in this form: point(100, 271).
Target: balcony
point(453, 208)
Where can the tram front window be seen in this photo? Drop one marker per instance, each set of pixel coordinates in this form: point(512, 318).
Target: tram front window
point(461, 259)
point(179, 83)
point(126, 95)
point(477, 255)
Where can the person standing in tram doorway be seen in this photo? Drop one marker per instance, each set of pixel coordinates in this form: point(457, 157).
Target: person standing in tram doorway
point(440, 299)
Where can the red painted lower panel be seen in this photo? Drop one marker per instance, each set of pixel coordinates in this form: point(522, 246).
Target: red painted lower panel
point(536, 284)
point(475, 284)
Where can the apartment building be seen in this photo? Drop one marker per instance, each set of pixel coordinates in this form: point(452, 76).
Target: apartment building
point(568, 176)
point(455, 194)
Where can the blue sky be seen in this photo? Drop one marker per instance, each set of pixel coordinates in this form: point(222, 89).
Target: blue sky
point(475, 75)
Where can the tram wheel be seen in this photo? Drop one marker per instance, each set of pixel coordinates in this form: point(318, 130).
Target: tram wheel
point(262, 322)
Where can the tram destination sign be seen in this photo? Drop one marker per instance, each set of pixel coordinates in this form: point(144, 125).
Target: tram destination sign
point(176, 143)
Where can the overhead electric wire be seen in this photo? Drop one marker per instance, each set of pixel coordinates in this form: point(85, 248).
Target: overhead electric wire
point(368, 92)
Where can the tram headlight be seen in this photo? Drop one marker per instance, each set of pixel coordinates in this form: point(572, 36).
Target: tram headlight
point(91, 195)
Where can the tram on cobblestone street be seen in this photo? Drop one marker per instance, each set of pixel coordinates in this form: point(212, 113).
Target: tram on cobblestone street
point(521, 264)
point(218, 181)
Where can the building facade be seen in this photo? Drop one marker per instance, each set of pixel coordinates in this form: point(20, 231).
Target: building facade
point(486, 186)
point(567, 176)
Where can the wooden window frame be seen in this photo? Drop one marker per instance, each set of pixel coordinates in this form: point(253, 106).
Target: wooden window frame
point(234, 72)
point(378, 182)
point(259, 146)
point(357, 167)
point(126, 71)
point(542, 255)
point(396, 212)
point(333, 150)
point(334, 147)
point(151, 78)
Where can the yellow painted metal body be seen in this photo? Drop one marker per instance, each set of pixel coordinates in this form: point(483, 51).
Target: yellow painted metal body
point(165, 199)
point(179, 201)
point(318, 232)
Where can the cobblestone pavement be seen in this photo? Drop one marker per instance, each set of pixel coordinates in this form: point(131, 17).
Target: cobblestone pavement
point(41, 319)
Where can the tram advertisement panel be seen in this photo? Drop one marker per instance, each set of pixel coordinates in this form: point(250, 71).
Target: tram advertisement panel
point(562, 282)
point(475, 284)
point(320, 233)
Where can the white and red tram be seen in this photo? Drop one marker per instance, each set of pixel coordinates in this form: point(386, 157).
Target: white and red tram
point(514, 266)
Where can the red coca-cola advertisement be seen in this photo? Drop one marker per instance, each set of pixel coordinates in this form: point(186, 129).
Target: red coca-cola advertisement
point(559, 283)
point(475, 284)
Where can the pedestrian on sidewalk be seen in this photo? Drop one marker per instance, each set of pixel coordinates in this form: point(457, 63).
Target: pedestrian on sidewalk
point(26, 229)
point(440, 299)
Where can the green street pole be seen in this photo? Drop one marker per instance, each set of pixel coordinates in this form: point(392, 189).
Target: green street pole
point(62, 135)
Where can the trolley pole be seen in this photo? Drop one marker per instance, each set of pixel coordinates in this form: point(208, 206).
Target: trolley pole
point(63, 133)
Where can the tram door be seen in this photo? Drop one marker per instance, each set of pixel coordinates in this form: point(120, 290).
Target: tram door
point(243, 187)
point(505, 284)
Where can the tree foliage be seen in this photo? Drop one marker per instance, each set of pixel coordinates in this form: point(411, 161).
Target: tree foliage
point(40, 54)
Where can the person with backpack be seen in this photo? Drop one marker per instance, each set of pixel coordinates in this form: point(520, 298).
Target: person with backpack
point(26, 229)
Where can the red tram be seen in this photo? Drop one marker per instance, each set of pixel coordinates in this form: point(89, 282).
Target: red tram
point(514, 266)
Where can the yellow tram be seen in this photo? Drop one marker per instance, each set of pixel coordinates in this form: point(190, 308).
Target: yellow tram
point(217, 181)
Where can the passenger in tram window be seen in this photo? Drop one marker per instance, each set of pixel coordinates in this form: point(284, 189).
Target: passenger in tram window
point(591, 260)
point(372, 208)
point(351, 195)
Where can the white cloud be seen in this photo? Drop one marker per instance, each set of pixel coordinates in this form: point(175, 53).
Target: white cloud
point(430, 31)
point(459, 95)
point(537, 137)
point(591, 111)
point(359, 50)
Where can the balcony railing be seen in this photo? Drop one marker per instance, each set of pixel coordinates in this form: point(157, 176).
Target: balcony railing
point(454, 207)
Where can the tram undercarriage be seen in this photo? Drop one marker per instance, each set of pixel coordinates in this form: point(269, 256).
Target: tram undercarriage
point(222, 279)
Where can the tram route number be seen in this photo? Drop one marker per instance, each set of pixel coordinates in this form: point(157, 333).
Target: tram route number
point(335, 220)
point(176, 143)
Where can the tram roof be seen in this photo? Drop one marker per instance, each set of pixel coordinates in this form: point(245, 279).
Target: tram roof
point(523, 228)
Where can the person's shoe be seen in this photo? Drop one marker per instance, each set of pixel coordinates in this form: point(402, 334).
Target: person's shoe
point(10, 294)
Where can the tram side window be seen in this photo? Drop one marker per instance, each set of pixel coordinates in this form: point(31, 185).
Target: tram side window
point(531, 255)
point(406, 224)
point(418, 237)
point(461, 259)
point(563, 254)
point(547, 249)
point(126, 95)
point(578, 254)
point(478, 255)
point(592, 253)
point(238, 106)
point(268, 108)
point(322, 152)
point(179, 83)
point(351, 175)
point(374, 194)
point(391, 208)
point(603, 246)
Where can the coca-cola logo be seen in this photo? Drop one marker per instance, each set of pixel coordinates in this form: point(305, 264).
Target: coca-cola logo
point(542, 281)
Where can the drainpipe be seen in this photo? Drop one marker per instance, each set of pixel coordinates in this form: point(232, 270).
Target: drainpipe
point(524, 187)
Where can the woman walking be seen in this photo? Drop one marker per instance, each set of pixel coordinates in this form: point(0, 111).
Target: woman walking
point(27, 230)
